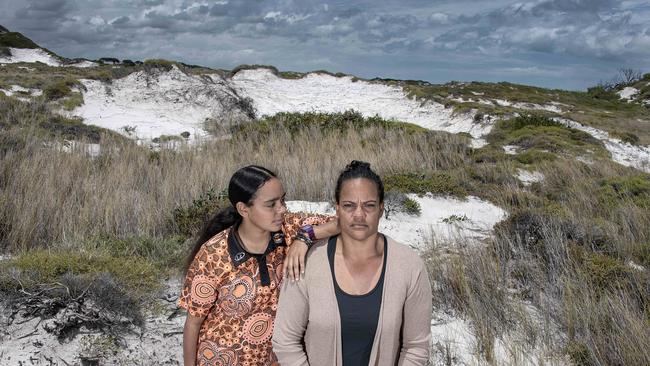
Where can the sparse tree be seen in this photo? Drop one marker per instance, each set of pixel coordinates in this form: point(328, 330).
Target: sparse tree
point(628, 75)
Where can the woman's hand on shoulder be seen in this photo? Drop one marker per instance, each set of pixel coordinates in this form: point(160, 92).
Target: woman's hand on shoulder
point(294, 261)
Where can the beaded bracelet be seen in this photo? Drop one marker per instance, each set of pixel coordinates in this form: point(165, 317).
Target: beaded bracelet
point(310, 231)
point(304, 237)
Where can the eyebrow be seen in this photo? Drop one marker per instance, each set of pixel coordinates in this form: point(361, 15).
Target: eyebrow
point(361, 202)
point(276, 198)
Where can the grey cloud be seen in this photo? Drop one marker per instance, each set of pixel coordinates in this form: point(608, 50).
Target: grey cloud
point(120, 21)
point(153, 2)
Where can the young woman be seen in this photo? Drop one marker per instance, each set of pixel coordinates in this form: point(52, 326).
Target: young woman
point(236, 268)
point(364, 299)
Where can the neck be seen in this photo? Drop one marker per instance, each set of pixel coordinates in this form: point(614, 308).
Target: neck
point(254, 239)
point(360, 249)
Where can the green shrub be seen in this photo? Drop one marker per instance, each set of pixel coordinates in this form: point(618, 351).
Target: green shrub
point(159, 64)
point(136, 274)
point(412, 207)
point(291, 75)
point(72, 129)
point(489, 154)
point(160, 252)
point(191, 218)
point(57, 90)
point(166, 138)
point(599, 92)
point(628, 137)
point(455, 218)
point(239, 68)
point(16, 40)
point(326, 122)
point(73, 101)
point(530, 120)
point(5, 52)
point(534, 156)
point(615, 191)
point(437, 183)
point(395, 201)
point(579, 353)
point(604, 271)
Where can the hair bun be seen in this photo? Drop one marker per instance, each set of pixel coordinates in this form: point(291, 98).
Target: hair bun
point(357, 164)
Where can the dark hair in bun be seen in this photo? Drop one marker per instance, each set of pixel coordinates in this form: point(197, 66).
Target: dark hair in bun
point(359, 169)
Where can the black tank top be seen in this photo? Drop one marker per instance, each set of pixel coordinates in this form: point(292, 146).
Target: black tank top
point(359, 314)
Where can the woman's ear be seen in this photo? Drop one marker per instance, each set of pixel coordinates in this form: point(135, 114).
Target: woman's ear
point(242, 209)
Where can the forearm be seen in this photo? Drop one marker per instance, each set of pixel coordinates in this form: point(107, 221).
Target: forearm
point(190, 339)
point(327, 229)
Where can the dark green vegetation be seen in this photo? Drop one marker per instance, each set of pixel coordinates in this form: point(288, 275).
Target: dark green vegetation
point(325, 123)
point(21, 122)
point(598, 107)
point(16, 40)
point(284, 74)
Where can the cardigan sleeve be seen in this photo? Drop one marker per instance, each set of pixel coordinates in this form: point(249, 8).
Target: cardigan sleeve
point(416, 331)
point(290, 324)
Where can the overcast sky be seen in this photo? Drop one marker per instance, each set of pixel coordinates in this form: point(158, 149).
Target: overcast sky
point(568, 44)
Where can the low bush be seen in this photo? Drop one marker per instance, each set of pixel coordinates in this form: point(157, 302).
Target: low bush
point(191, 218)
point(600, 92)
point(295, 123)
point(5, 52)
point(16, 40)
point(159, 64)
point(579, 354)
point(489, 154)
point(395, 201)
point(436, 183)
point(239, 68)
point(616, 191)
point(137, 275)
point(58, 89)
point(72, 129)
point(534, 156)
point(166, 138)
point(628, 137)
point(73, 101)
point(412, 207)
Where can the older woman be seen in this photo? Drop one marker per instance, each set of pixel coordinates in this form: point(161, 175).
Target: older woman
point(365, 299)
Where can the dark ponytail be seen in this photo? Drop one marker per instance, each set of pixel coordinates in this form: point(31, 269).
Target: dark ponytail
point(359, 169)
point(242, 188)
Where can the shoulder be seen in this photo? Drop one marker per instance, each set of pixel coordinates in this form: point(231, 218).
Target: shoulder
point(401, 251)
point(318, 251)
point(404, 256)
point(316, 261)
point(218, 244)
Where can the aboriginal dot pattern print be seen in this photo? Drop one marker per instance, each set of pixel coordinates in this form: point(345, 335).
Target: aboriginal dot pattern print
point(239, 311)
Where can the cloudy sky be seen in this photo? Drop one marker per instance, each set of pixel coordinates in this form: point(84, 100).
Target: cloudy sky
point(568, 44)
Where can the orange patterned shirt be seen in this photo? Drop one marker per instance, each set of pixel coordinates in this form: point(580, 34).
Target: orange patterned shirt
point(237, 293)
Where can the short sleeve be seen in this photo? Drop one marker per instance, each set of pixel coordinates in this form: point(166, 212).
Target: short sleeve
point(199, 292)
point(293, 222)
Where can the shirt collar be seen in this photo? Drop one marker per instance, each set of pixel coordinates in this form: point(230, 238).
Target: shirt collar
point(239, 255)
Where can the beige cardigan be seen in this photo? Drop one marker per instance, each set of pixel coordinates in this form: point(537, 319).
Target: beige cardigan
point(308, 311)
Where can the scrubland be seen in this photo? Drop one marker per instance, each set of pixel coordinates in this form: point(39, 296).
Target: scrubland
point(575, 246)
